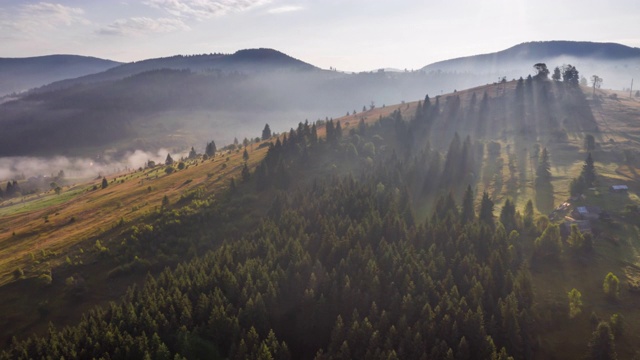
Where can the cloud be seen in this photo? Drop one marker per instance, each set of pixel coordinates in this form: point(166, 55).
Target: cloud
point(204, 9)
point(284, 9)
point(142, 25)
point(33, 18)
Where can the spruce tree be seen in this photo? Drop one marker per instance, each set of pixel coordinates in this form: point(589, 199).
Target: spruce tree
point(210, 150)
point(543, 172)
point(601, 345)
point(468, 213)
point(169, 160)
point(486, 209)
point(105, 183)
point(266, 132)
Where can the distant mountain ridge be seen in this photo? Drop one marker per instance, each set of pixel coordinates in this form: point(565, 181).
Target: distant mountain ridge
point(605, 59)
point(244, 61)
point(20, 74)
point(540, 51)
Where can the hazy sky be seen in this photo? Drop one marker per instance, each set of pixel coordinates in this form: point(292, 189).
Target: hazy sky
point(346, 34)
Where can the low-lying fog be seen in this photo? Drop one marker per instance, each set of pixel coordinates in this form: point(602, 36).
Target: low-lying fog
point(25, 167)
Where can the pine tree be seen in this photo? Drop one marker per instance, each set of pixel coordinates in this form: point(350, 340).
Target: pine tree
point(245, 155)
point(266, 132)
point(486, 209)
point(105, 183)
point(601, 345)
point(528, 214)
point(575, 303)
point(543, 172)
point(192, 153)
point(611, 286)
point(468, 212)
point(210, 150)
point(246, 175)
point(508, 215)
point(169, 160)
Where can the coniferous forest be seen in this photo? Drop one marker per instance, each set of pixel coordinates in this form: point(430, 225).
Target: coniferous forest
point(371, 244)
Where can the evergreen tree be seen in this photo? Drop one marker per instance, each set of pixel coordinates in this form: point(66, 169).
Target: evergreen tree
point(486, 209)
point(246, 175)
point(169, 160)
point(210, 150)
point(611, 286)
point(575, 303)
point(266, 132)
point(245, 155)
point(508, 215)
point(528, 214)
point(468, 212)
point(192, 153)
point(601, 345)
point(543, 172)
point(105, 183)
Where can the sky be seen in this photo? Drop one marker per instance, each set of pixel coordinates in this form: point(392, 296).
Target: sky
point(350, 35)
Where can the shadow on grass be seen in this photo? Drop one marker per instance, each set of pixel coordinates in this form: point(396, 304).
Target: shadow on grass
point(544, 197)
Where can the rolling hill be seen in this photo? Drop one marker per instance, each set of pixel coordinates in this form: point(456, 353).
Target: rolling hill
point(330, 224)
point(22, 74)
point(616, 63)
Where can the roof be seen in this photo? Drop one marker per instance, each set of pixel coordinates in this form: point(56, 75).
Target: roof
point(619, 187)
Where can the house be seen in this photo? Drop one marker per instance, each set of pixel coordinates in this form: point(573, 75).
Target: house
point(619, 188)
point(586, 213)
point(583, 225)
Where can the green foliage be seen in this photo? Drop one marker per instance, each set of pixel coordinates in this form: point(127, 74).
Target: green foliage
point(617, 325)
point(543, 171)
point(575, 303)
point(611, 286)
point(210, 149)
point(602, 345)
point(266, 132)
point(549, 244)
point(576, 239)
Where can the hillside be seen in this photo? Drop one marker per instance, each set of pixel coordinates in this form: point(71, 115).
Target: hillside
point(616, 63)
point(363, 222)
point(21, 74)
point(249, 61)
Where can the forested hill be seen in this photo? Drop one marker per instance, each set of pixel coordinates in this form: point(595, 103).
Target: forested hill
point(614, 62)
point(243, 61)
point(21, 74)
point(347, 262)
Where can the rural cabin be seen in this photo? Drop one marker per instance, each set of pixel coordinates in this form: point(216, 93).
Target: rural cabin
point(586, 213)
point(618, 188)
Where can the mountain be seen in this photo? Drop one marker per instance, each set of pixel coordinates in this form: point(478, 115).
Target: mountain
point(249, 61)
point(20, 74)
point(616, 63)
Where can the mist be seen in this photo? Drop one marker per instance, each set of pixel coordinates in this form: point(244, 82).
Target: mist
point(78, 168)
